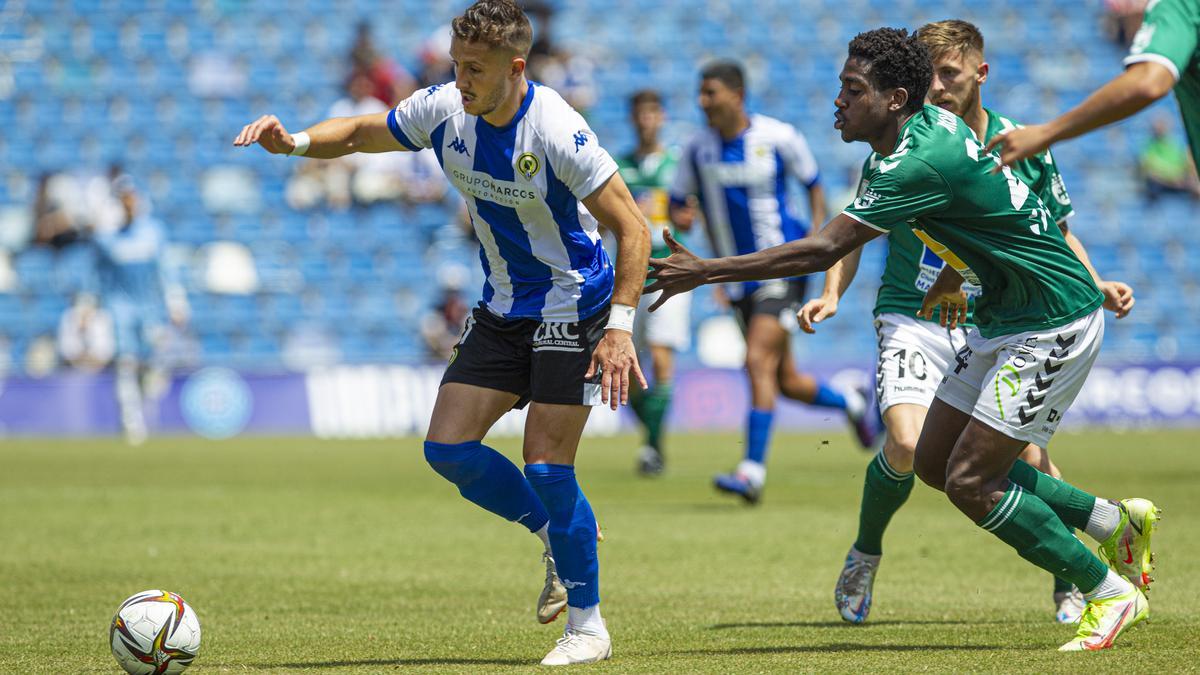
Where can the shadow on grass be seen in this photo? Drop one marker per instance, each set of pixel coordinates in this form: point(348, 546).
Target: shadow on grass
point(837, 624)
point(847, 647)
point(365, 663)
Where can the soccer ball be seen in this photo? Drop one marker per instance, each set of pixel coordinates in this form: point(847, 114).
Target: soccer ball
point(154, 633)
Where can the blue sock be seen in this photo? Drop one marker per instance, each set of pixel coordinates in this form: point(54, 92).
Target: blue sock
point(488, 479)
point(572, 531)
point(828, 398)
point(758, 435)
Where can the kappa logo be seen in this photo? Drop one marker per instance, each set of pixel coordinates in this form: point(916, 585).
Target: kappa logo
point(571, 585)
point(581, 139)
point(459, 146)
point(528, 165)
point(433, 90)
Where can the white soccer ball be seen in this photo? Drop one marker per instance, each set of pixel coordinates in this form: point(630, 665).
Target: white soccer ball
point(154, 633)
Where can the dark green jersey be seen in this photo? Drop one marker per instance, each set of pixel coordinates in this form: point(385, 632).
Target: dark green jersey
point(1169, 35)
point(649, 178)
point(911, 267)
point(991, 227)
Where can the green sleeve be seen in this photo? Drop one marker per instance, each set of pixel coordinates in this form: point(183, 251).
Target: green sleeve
point(899, 190)
point(1168, 35)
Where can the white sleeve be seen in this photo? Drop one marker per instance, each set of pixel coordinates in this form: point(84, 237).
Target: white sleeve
point(684, 184)
point(798, 158)
point(414, 118)
point(574, 154)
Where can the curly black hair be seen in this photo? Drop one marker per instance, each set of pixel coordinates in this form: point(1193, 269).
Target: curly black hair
point(895, 59)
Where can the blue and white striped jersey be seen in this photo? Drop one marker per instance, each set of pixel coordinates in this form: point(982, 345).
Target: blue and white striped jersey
point(742, 187)
point(523, 183)
point(130, 266)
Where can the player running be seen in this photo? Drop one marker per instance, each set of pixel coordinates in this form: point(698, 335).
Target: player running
point(914, 353)
point(648, 170)
point(1164, 56)
point(141, 293)
point(738, 169)
point(1038, 326)
point(554, 328)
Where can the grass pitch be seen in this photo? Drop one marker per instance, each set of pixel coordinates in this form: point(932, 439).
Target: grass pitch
point(307, 556)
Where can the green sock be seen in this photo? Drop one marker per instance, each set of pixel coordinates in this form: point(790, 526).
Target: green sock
point(637, 402)
point(884, 491)
point(655, 404)
point(1061, 585)
point(1027, 523)
point(1072, 505)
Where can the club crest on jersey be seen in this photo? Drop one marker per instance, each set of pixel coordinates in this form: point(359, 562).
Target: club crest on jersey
point(528, 164)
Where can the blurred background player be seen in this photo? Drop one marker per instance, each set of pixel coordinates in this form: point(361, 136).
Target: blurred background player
point(1163, 57)
point(914, 352)
point(648, 170)
point(738, 170)
point(140, 293)
point(554, 330)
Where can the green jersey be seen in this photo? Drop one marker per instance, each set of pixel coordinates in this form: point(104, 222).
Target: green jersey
point(649, 179)
point(990, 227)
point(911, 266)
point(1168, 36)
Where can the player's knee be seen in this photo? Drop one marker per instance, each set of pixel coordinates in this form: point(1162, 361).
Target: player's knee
point(459, 463)
point(964, 488)
point(900, 450)
point(929, 470)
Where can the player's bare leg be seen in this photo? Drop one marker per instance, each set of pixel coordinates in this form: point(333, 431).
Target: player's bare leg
point(552, 434)
point(766, 341)
point(805, 388)
point(888, 482)
point(462, 416)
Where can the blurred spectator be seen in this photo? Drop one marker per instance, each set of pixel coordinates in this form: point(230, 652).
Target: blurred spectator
point(140, 292)
point(388, 82)
point(41, 357)
point(1166, 166)
point(434, 57)
point(410, 177)
point(444, 323)
point(571, 75)
point(86, 340)
point(1123, 19)
point(53, 223)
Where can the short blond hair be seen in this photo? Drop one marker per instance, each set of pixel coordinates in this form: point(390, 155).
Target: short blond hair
point(952, 36)
point(496, 23)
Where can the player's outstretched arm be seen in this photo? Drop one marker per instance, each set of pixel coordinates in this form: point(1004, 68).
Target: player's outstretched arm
point(615, 356)
point(325, 140)
point(1118, 295)
point(837, 280)
point(683, 270)
point(1140, 85)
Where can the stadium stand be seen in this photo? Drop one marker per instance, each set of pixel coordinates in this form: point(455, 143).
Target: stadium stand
point(162, 86)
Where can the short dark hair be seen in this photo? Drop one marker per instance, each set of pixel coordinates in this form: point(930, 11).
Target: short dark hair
point(951, 36)
point(497, 23)
point(895, 59)
point(729, 73)
point(645, 96)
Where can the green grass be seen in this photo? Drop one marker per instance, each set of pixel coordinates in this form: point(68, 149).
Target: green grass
point(301, 555)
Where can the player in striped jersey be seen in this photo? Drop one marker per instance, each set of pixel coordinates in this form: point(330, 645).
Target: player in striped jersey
point(738, 170)
point(556, 320)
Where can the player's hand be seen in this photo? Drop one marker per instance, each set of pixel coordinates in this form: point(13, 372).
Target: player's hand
point(1020, 143)
point(615, 358)
point(268, 132)
point(678, 273)
point(946, 293)
point(815, 311)
point(1118, 297)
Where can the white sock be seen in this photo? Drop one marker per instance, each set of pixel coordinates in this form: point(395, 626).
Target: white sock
point(1104, 520)
point(544, 535)
point(755, 472)
point(586, 620)
point(856, 404)
point(1112, 586)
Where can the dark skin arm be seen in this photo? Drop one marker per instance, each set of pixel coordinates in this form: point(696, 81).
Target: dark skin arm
point(683, 270)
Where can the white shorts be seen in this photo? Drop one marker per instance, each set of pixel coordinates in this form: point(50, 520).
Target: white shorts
point(1021, 385)
point(913, 357)
point(667, 326)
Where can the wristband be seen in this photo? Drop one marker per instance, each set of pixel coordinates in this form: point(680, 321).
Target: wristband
point(620, 317)
point(301, 140)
